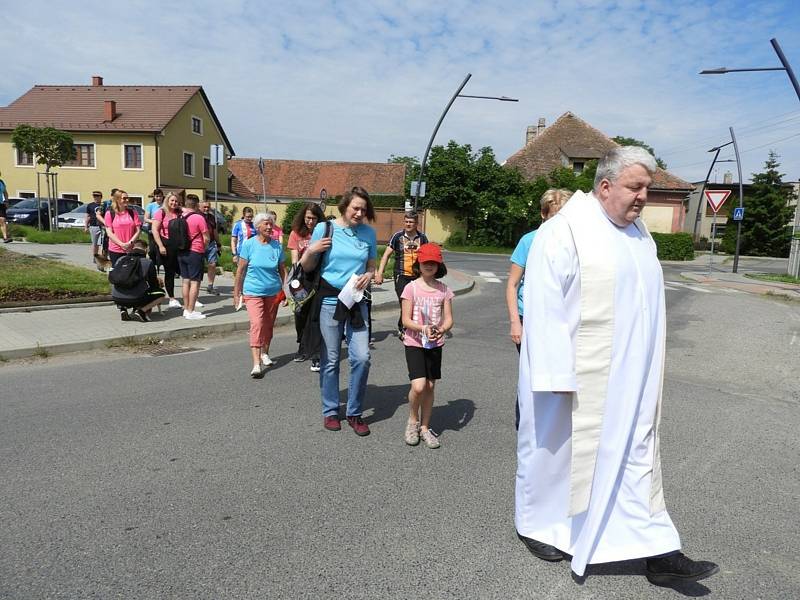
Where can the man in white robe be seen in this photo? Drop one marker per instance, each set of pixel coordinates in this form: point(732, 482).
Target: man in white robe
point(591, 370)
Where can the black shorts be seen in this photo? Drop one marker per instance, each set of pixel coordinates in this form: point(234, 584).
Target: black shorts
point(190, 265)
point(424, 362)
point(3, 210)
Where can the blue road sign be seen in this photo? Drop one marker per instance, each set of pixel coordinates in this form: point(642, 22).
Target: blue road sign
point(738, 213)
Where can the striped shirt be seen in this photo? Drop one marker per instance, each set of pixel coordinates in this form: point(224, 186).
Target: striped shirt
point(405, 249)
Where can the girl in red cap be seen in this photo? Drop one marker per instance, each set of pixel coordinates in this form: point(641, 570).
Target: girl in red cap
point(427, 314)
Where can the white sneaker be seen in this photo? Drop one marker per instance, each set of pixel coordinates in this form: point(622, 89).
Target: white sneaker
point(266, 360)
point(257, 373)
point(198, 304)
point(173, 303)
point(193, 316)
point(186, 313)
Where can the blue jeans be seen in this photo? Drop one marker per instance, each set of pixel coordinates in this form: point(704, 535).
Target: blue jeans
point(358, 357)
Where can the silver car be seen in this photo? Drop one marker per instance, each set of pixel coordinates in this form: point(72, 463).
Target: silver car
point(77, 218)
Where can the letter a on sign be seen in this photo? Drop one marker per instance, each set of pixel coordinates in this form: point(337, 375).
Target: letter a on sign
point(716, 198)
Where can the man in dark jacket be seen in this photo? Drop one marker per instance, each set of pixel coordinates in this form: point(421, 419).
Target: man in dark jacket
point(143, 296)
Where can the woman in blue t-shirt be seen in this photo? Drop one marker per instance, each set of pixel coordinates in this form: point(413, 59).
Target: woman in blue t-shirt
point(259, 277)
point(351, 249)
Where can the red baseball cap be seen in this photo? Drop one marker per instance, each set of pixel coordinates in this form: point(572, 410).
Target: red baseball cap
point(430, 253)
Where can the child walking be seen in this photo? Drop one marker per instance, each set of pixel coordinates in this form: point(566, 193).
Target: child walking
point(427, 314)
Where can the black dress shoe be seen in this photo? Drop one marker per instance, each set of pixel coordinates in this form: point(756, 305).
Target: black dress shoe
point(542, 550)
point(677, 567)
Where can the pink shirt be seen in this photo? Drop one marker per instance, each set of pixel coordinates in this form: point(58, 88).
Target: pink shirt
point(123, 226)
point(296, 242)
point(277, 234)
point(427, 308)
point(197, 227)
point(164, 217)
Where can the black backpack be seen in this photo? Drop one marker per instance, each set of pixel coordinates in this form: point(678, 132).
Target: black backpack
point(127, 273)
point(178, 230)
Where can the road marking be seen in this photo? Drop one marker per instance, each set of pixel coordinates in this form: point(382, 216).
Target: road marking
point(489, 276)
point(690, 287)
point(794, 339)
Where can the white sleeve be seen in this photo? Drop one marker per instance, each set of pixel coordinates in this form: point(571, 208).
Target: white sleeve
point(551, 315)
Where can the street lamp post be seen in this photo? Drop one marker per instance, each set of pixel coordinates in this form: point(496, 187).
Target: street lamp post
point(794, 254)
point(458, 94)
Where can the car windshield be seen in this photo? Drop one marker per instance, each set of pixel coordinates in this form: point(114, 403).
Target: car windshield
point(79, 210)
point(29, 203)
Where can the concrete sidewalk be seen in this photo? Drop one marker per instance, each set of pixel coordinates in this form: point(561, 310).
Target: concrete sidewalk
point(78, 327)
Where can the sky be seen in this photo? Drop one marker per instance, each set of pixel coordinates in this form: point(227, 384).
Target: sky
point(362, 80)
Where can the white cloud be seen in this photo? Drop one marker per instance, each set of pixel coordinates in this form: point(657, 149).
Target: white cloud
point(361, 80)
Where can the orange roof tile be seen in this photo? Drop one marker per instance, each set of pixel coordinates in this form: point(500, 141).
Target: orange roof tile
point(306, 178)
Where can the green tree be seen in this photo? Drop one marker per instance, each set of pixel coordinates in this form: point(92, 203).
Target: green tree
point(766, 229)
point(628, 141)
point(52, 147)
point(412, 170)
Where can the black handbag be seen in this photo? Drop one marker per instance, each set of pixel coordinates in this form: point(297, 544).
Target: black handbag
point(300, 287)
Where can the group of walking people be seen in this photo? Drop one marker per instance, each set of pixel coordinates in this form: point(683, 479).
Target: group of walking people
point(337, 259)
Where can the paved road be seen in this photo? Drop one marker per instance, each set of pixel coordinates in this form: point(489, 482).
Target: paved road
point(134, 476)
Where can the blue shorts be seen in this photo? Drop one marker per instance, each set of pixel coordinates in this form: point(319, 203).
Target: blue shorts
point(190, 265)
point(211, 254)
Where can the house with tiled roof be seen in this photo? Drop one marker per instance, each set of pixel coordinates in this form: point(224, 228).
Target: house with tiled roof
point(290, 180)
point(571, 142)
point(134, 137)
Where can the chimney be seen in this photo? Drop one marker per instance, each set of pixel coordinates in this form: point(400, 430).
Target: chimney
point(109, 111)
point(727, 178)
point(97, 81)
point(530, 135)
point(540, 126)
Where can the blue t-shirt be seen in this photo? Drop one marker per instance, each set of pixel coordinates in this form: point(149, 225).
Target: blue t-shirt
point(262, 278)
point(349, 252)
point(242, 231)
point(2, 192)
point(151, 209)
point(520, 257)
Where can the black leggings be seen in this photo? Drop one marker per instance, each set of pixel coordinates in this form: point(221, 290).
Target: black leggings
point(170, 264)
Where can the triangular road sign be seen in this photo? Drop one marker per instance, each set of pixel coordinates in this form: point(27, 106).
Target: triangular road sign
point(716, 198)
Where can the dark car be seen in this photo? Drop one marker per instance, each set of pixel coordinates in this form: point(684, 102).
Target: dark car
point(25, 212)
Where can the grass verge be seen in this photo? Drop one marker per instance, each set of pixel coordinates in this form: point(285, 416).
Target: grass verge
point(26, 278)
point(61, 236)
point(480, 249)
point(773, 277)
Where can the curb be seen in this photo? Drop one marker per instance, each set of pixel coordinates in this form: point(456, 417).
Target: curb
point(464, 284)
point(750, 286)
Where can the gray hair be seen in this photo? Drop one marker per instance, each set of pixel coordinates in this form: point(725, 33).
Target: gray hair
point(263, 217)
point(618, 159)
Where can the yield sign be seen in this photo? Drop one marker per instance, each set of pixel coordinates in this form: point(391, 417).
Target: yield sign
point(716, 198)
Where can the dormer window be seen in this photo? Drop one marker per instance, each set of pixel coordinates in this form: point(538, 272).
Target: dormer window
point(577, 167)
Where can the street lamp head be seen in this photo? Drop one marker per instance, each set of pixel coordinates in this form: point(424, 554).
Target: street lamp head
point(718, 71)
point(507, 99)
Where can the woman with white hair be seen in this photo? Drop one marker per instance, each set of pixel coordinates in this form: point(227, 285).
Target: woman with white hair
point(259, 277)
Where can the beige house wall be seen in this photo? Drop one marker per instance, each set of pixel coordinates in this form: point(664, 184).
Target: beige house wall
point(658, 218)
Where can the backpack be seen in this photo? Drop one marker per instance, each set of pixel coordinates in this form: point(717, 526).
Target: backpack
point(127, 273)
point(178, 230)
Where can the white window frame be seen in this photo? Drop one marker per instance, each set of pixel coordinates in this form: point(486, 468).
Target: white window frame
point(210, 168)
point(82, 143)
point(183, 164)
point(21, 192)
point(15, 150)
point(76, 194)
point(139, 196)
point(191, 125)
point(141, 151)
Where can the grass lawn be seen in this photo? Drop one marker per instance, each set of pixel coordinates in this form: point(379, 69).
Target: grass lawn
point(61, 236)
point(773, 277)
point(28, 278)
point(480, 249)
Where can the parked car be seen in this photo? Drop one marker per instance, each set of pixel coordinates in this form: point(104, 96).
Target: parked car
point(25, 212)
point(77, 217)
point(13, 201)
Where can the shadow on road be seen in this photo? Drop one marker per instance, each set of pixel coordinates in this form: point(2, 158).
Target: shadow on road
point(691, 589)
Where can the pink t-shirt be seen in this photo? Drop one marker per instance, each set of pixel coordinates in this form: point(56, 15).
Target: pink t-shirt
point(197, 227)
point(123, 226)
point(164, 217)
point(296, 242)
point(427, 308)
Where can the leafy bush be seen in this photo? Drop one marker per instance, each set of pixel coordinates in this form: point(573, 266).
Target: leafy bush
point(674, 246)
point(291, 211)
point(457, 238)
point(388, 201)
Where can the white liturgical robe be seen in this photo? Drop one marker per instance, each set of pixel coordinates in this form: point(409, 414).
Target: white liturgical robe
point(588, 469)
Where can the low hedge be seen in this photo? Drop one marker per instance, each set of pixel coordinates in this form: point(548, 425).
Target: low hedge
point(674, 246)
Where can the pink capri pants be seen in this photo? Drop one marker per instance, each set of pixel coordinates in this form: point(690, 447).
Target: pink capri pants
point(262, 311)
